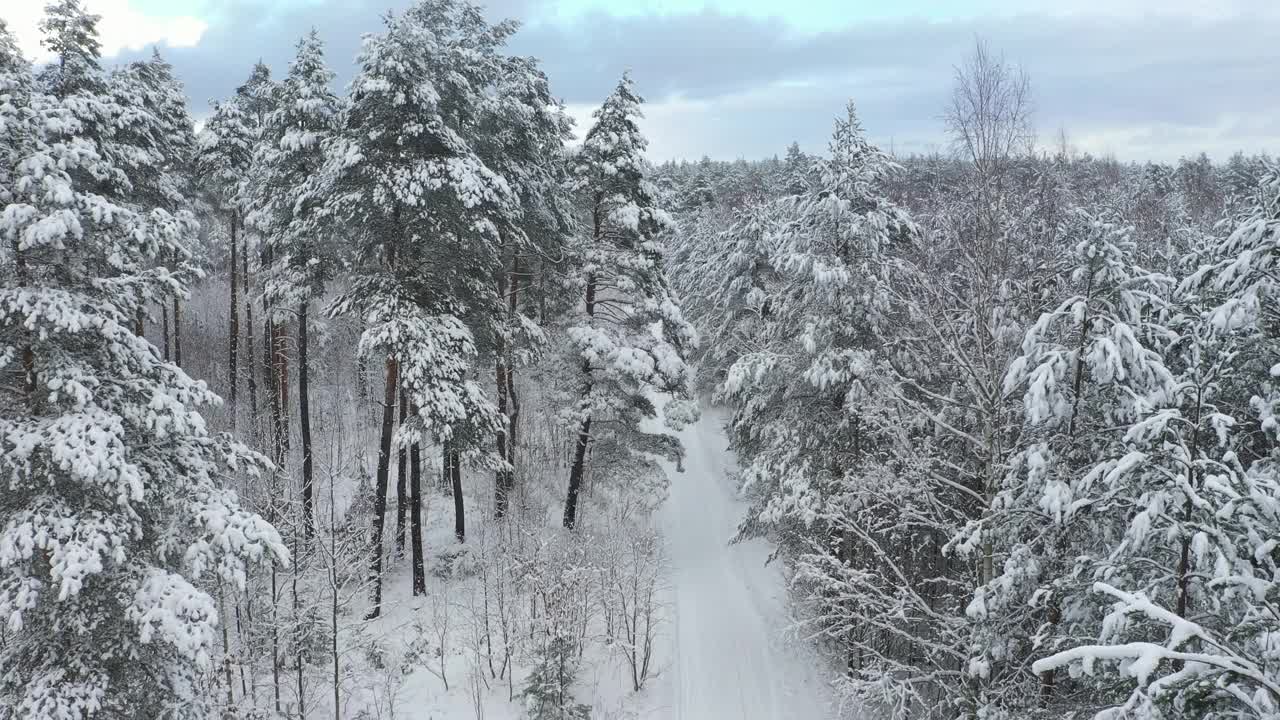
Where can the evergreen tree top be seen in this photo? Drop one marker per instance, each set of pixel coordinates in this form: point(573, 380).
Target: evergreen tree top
point(614, 144)
point(11, 59)
point(71, 34)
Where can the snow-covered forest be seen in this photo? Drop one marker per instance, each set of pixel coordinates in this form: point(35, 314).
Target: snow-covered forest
point(411, 398)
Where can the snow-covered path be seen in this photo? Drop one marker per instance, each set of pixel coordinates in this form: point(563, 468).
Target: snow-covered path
point(732, 660)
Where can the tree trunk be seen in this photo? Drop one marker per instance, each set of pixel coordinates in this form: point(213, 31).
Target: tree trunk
point(415, 520)
point(575, 474)
point(576, 471)
point(455, 478)
point(304, 422)
point(270, 379)
point(504, 480)
point(177, 322)
point(177, 331)
point(280, 366)
point(233, 336)
point(402, 498)
point(298, 657)
point(164, 330)
point(252, 358)
point(380, 490)
point(500, 483)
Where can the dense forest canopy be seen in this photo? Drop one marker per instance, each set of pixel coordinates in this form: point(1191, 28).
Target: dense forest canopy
point(348, 395)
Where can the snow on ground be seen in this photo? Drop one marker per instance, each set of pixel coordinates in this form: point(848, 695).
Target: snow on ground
point(724, 651)
point(733, 658)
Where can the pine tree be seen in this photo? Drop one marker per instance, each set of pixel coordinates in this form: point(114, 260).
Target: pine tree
point(153, 123)
point(256, 98)
point(1088, 367)
point(1191, 585)
point(424, 211)
point(522, 137)
point(114, 506)
point(289, 155)
point(813, 420)
point(224, 153)
point(626, 294)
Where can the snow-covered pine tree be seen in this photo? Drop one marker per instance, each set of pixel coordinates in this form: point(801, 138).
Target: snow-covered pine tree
point(811, 422)
point(1192, 588)
point(1089, 368)
point(114, 507)
point(155, 137)
point(283, 200)
point(424, 213)
point(630, 337)
point(726, 279)
point(256, 98)
point(523, 136)
point(223, 156)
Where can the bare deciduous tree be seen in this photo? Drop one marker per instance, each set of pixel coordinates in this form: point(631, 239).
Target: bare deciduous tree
point(989, 117)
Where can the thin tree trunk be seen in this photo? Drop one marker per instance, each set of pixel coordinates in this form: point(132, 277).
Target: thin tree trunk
point(252, 357)
point(500, 475)
point(504, 480)
point(226, 648)
point(275, 638)
point(459, 516)
point(299, 665)
point(280, 407)
point(1184, 559)
point(177, 322)
point(334, 604)
point(402, 498)
point(304, 417)
point(577, 470)
point(415, 520)
point(233, 336)
point(270, 379)
point(164, 330)
point(380, 490)
point(177, 331)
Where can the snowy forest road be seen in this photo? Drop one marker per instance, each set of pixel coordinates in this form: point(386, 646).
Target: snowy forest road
point(732, 659)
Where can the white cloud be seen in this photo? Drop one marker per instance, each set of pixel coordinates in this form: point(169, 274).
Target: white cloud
point(122, 27)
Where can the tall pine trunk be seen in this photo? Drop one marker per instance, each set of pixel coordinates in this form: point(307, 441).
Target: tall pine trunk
point(577, 470)
point(251, 357)
point(177, 322)
point(453, 467)
point(380, 488)
point(576, 473)
point(164, 330)
point(177, 331)
point(280, 406)
point(415, 520)
point(304, 423)
point(270, 379)
point(402, 498)
point(504, 479)
point(233, 335)
point(500, 499)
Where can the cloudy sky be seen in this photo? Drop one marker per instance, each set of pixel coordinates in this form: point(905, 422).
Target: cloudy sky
point(1138, 79)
